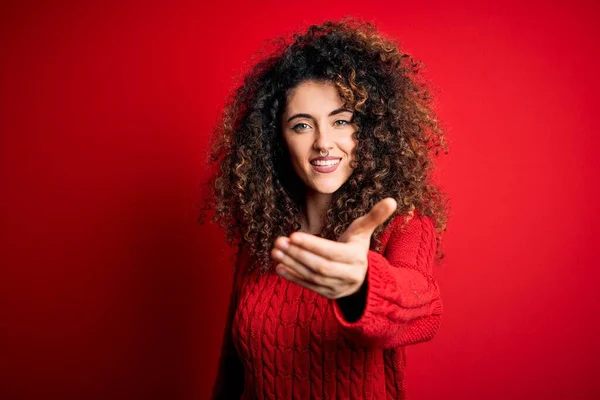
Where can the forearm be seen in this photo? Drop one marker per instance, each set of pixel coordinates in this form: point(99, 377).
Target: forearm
point(399, 303)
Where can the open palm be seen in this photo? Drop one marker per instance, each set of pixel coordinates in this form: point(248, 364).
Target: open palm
point(333, 269)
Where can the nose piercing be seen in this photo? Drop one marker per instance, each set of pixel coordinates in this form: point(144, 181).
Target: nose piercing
point(324, 155)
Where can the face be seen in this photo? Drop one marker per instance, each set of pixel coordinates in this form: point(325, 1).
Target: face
point(314, 120)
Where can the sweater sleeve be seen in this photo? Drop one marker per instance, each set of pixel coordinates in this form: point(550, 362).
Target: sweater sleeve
point(400, 301)
point(229, 383)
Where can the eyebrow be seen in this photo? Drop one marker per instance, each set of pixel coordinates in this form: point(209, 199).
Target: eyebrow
point(334, 112)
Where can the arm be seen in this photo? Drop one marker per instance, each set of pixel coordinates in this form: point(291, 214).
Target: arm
point(229, 383)
point(399, 303)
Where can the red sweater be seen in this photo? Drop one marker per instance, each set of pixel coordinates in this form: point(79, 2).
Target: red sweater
point(284, 341)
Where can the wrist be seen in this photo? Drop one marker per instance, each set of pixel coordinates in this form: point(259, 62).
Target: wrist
point(353, 305)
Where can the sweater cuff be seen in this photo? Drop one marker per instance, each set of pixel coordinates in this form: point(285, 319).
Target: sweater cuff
point(393, 297)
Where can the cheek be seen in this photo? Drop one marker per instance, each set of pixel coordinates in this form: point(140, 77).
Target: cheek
point(350, 147)
point(296, 154)
point(296, 149)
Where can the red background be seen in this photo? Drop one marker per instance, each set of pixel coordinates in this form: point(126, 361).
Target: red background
point(108, 287)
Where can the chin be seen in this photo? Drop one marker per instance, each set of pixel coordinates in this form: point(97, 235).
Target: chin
point(324, 184)
point(326, 189)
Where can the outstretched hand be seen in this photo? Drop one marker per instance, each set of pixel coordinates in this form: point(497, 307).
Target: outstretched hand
point(333, 269)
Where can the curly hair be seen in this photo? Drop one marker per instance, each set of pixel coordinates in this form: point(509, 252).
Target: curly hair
point(255, 194)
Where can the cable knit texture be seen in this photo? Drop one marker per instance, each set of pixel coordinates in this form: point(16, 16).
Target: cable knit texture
point(283, 341)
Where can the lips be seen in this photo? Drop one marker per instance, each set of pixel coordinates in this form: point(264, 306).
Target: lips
point(314, 160)
point(325, 168)
point(325, 158)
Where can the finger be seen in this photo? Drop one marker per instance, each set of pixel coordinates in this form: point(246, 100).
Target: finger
point(286, 271)
point(322, 290)
point(366, 225)
point(318, 265)
point(302, 271)
point(325, 248)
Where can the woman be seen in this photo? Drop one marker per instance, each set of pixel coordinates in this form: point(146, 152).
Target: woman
point(323, 183)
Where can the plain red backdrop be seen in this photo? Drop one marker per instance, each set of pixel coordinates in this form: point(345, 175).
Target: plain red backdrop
point(108, 287)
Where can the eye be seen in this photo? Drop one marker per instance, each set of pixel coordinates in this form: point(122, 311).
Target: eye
point(297, 126)
point(342, 120)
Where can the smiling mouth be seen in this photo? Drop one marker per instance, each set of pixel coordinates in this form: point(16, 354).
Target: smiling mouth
point(327, 163)
point(327, 168)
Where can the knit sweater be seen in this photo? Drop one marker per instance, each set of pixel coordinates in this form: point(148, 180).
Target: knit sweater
point(284, 341)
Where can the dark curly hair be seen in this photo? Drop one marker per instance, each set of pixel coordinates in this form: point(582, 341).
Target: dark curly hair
point(253, 189)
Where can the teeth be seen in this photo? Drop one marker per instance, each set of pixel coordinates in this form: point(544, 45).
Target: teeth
point(325, 163)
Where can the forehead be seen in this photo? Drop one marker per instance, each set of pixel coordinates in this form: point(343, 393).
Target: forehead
point(313, 97)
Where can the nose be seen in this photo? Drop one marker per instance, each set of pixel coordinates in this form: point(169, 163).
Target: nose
point(323, 139)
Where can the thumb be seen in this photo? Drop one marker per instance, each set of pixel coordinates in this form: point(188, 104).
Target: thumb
point(366, 225)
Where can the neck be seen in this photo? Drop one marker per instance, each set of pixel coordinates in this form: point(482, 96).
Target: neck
point(315, 207)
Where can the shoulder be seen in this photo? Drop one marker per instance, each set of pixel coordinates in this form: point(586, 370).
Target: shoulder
point(414, 220)
point(413, 227)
